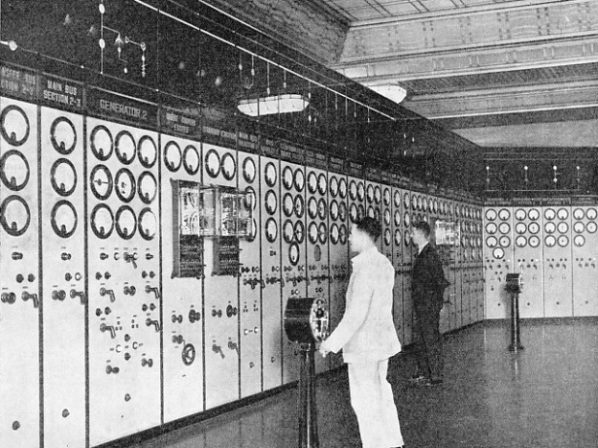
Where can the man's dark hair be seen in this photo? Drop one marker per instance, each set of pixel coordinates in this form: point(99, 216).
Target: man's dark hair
point(370, 226)
point(424, 227)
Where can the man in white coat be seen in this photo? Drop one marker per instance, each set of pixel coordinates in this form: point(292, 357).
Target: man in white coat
point(368, 338)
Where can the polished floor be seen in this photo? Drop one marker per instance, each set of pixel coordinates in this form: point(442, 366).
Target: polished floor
point(544, 396)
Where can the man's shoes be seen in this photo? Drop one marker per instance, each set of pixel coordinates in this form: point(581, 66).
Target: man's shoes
point(417, 378)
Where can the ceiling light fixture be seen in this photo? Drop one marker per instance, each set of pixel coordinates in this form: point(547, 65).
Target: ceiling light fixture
point(276, 104)
point(393, 92)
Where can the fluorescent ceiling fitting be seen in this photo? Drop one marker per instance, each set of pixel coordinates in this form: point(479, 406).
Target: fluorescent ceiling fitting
point(277, 104)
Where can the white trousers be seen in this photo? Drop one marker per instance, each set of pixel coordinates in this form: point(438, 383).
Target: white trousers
point(373, 403)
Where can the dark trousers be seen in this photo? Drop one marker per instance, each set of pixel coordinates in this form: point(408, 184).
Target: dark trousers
point(428, 342)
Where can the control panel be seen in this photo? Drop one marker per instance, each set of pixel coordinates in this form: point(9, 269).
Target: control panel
point(584, 260)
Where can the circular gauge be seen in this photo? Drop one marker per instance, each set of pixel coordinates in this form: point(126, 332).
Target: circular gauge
point(102, 221)
point(504, 228)
point(333, 210)
point(550, 227)
point(126, 222)
point(435, 206)
point(101, 182)
point(504, 241)
point(271, 174)
point(63, 177)
point(322, 209)
point(250, 200)
point(147, 187)
point(312, 231)
point(342, 233)
point(334, 234)
point(398, 237)
point(387, 217)
point(253, 231)
point(271, 230)
point(387, 237)
point(563, 227)
point(124, 185)
point(549, 214)
point(228, 166)
point(299, 231)
point(397, 219)
point(294, 253)
point(147, 224)
point(322, 184)
point(386, 197)
point(312, 182)
point(353, 212)
point(288, 232)
point(407, 219)
point(498, 253)
point(563, 213)
point(578, 213)
point(424, 203)
point(172, 156)
point(504, 214)
point(353, 190)
point(299, 179)
point(416, 203)
point(533, 227)
point(287, 205)
point(520, 228)
point(491, 228)
point(317, 253)
point(563, 240)
point(407, 239)
point(520, 214)
point(550, 241)
point(591, 213)
point(578, 227)
point(533, 214)
point(342, 211)
point(126, 150)
point(191, 160)
point(14, 170)
point(342, 188)
point(520, 241)
point(147, 152)
point(64, 219)
point(15, 215)
point(491, 241)
point(299, 206)
point(64, 135)
point(333, 186)
point(249, 170)
point(591, 227)
point(371, 213)
point(287, 177)
point(397, 198)
point(370, 193)
point(271, 202)
point(212, 163)
point(534, 241)
point(14, 125)
point(360, 191)
point(579, 240)
point(322, 233)
point(312, 207)
point(406, 200)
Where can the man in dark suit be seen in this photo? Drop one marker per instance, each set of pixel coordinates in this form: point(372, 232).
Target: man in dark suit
point(427, 286)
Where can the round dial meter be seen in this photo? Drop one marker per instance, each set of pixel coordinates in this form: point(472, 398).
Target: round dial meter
point(397, 198)
point(271, 174)
point(333, 210)
point(491, 241)
point(147, 152)
point(313, 232)
point(229, 166)
point(271, 202)
point(102, 144)
point(294, 253)
point(148, 187)
point(562, 213)
point(549, 214)
point(172, 156)
point(191, 160)
point(14, 125)
point(14, 170)
point(312, 207)
point(333, 186)
point(126, 222)
point(591, 213)
point(63, 177)
point(147, 224)
point(124, 184)
point(287, 177)
point(102, 221)
point(533, 214)
point(126, 150)
point(288, 204)
point(563, 227)
point(342, 188)
point(299, 206)
point(550, 227)
point(322, 233)
point(370, 193)
point(504, 214)
point(387, 217)
point(498, 253)
point(386, 197)
point(288, 231)
point(578, 213)
point(491, 228)
point(334, 234)
point(249, 170)
point(520, 241)
point(377, 194)
point(579, 240)
point(15, 215)
point(299, 231)
point(212, 163)
point(322, 184)
point(534, 227)
point(550, 241)
point(360, 191)
point(312, 182)
point(64, 135)
point(342, 232)
point(578, 227)
point(101, 182)
point(271, 229)
point(342, 211)
point(64, 219)
point(520, 228)
point(534, 241)
point(299, 179)
point(322, 209)
point(353, 190)
point(591, 227)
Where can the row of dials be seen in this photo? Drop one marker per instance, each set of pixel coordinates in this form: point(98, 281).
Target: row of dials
point(126, 223)
point(498, 245)
point(124, 184)
point(534, 214)
point(103, 145)
point(533, 227)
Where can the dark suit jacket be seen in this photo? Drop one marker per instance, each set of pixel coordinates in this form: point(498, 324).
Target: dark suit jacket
point(428, 282)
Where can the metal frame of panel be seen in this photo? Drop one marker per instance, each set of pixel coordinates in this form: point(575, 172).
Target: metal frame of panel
point(182, 300)
point(64, 279)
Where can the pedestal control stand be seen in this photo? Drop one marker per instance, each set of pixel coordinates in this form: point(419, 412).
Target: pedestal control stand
point(514, 287)
point(306, 322)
